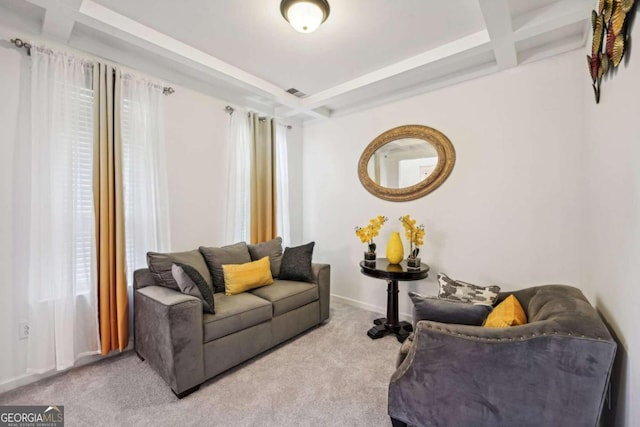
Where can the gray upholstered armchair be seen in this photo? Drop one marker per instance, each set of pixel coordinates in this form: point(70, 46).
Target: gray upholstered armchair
point(553, 371)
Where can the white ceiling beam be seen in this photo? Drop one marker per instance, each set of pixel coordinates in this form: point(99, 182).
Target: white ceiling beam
point(59, 19)
point(106, 20)
point(551, 17)
point(452, 79)
point(548, 51)
point(497, 18)
point(470, 44)
point(318, 113)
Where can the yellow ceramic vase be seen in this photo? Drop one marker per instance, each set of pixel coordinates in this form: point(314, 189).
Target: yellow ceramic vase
point(395, 250)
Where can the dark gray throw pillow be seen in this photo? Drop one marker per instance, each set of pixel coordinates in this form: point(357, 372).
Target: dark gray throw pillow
point(192, 283)
point(296, 263)
point(272, 249)
point(238, 253)
point(160, 266)
point(443, 311)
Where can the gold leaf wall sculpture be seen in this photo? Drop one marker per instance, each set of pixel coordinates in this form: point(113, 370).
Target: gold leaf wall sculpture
point(609, 21)
point(626, 5)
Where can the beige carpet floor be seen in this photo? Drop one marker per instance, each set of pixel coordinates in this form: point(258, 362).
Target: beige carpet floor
point(333, 375)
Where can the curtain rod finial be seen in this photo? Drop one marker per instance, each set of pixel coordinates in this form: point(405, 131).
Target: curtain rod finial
point(228, 109)
point(22, 44)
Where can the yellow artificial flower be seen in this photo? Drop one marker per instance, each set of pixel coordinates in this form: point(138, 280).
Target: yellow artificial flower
point(414, 234)
point(371, 230)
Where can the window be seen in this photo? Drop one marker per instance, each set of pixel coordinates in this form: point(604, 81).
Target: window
point(77, 127)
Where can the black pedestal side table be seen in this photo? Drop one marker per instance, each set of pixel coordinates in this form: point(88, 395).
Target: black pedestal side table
point(392, 273)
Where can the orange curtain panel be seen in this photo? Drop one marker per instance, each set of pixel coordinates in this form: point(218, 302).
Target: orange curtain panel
point(113, 302)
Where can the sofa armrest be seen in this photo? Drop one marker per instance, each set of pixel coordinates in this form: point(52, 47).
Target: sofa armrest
point(169, 334)
point(322, 277)
point(525, 375)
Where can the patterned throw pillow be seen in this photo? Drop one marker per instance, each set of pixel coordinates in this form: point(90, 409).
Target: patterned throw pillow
point(455, 290)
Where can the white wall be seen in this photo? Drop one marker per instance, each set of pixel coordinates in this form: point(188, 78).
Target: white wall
point(195, 133)
point(508, 214)
point(611, 245)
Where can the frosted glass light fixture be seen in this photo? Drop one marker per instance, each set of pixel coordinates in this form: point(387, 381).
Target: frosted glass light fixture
point(305, 15)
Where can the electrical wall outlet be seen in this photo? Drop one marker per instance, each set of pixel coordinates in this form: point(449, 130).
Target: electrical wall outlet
point(23, 330)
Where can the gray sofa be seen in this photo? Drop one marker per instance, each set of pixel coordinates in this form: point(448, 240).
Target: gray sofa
point(552, 371)
point(186, 346)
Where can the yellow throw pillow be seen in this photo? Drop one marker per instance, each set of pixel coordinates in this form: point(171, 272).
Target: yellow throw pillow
point(239, 278)
point(508, 313)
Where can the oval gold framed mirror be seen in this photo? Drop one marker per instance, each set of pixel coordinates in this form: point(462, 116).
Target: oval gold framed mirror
point(406, 163)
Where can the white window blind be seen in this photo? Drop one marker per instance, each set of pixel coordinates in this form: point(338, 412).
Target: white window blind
point(79, 130)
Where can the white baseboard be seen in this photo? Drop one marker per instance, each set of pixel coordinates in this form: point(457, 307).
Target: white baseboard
point(25, 379)
point(370, 307)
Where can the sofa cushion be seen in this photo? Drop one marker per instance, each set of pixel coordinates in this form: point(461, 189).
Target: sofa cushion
point(160, 266)
point(456, 290)
point(192, 283)
point(443, 311)
point(272, 249)
point(235, 313)
point(238, 253)
point(239, 278)
point(296, 263)
point(287, 295)
point(508, 313)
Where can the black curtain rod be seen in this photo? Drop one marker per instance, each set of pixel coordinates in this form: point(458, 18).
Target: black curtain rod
point(20, 44)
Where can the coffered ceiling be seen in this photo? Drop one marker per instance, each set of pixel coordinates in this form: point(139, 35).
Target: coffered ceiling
point(368, 52)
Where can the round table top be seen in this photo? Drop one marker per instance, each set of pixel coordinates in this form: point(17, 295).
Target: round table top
point(382, 269)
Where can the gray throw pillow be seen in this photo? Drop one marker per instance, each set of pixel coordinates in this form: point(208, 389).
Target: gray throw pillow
point(296, 263)
point(455, 290)
point(443, 311)
point(238, 253)
point(192, 283)
point(272, 249)
point(160, 266)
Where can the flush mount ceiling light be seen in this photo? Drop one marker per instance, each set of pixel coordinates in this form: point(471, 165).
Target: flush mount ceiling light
point(305, 15)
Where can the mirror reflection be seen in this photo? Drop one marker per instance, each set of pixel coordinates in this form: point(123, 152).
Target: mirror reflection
point(402, 163)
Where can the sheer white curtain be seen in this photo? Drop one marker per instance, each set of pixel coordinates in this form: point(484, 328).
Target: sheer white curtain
point(282, 185)
point(61, 276)
point(239, 143)
point(146, 195)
